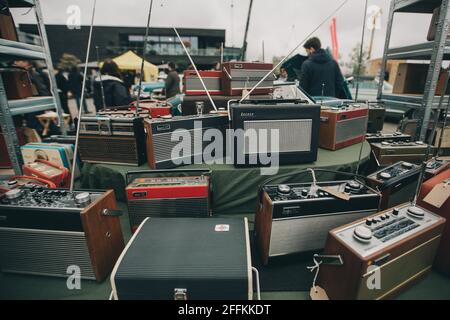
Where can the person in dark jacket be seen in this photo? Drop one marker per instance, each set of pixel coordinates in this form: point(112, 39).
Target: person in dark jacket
point(115, 92)
point(320, 74)
point(63, 89)
point(75, 86)
point(172, 81)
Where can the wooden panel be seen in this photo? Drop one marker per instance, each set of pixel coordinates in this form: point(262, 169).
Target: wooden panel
point(327, 130)
point(103, 235)
point(149, 145)
point(263, 227)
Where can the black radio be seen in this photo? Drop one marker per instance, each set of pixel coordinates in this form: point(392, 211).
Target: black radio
point(397, 183)
point(295, 121)
point(389, 137)
point(376, 116)
point(113, 139)
point(297, 217)
point(44, 231)
point(187, 132)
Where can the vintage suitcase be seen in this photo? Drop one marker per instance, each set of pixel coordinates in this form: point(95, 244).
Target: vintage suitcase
point(7, 27)
point(388, 153)
point(17, 83)
point(442, 261)
point(342, 127)
point(186, 259)
point(239, 76)
point(193, 86)
point(379, 256)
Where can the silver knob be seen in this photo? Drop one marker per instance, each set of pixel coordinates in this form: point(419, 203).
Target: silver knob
point(283, 188)
point(416, 212)
point(385, 175)
point(407, 165)
point(362, 234)
point(83, 198)
point(13, 194)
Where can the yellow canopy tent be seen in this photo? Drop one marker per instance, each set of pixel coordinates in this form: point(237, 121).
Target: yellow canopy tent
point(131, 61)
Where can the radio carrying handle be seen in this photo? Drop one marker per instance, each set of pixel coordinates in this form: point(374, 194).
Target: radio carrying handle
point(155, 172)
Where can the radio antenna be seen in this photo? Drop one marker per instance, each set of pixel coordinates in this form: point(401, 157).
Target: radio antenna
point(83, 87)
point(293, 50)
point(101, 80)
point(196, 70)
point(361, 49)
point(143, 58)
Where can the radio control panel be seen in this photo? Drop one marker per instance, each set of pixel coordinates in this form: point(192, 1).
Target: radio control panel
point(168, 182)
point(394, 171)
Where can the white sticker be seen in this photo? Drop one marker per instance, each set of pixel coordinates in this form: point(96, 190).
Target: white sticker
point(222, 228)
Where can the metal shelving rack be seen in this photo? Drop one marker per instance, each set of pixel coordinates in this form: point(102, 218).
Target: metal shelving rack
point(435, 51)
point(13, 50)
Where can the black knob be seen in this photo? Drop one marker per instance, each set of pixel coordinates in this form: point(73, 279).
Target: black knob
point(304, 193)
point(383, 218)
point(395, 211)
point(368, 222)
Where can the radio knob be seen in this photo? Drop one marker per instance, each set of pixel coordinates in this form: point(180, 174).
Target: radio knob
point(304, 193)
point(362, 233)
point(283, 188)
point(407, 165)
point(420, 142)
point(12, 183)
point(13, 194)
point(83, 198)
point(416, 212)
point(395, 211)
point(369, 222)
point(385, 143)
point(385, 175)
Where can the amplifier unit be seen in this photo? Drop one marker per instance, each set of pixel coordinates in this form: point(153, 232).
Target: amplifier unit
point(168, 193)
point(376, 117)
point(397, 183)
point(239, 76)
point(155, 107)
point(186, 259)
point(388, 137)
point(435, 166)
point(381, 255)
point(48, 171)
point(391, 152)
point(114, 140)
point(45, 231)
point(162, 139)
point(57, 153)
point(429, 195)
point(295, 122)
point(296, 218)
point(342, 127)
point(211, 79)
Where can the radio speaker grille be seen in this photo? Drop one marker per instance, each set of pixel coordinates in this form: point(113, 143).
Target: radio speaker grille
point(352, 128)
point(108, 149)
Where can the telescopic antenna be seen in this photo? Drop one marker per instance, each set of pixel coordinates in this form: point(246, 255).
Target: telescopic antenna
point(101, 80)
point(195, 68)
point(80, 112)
point(361, 49)
point(293, 50)
point(143, 58)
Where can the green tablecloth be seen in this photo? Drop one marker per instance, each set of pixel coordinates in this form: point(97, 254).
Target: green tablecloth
point(234, 189)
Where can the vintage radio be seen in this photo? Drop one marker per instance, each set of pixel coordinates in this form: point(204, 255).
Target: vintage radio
point(7, 27)
point(20, 181)
point(57, 153)
point(17, 83)
point(155, 107)
point(382, 254)
point(294, 218)
point(435, 166)
point(46, 231)
point(397, 183)
point(342, 127)
point(193, 86)
point(48, 171)
point(438, 201)
point(168, 193)
point(186, 259)
point(189, 107)
point(295, 122)
point(239, 76)
point(388, 137)
point(161, 144)
point(388, 153)
point(124, 112)
point(114, 140)
point(375, 121)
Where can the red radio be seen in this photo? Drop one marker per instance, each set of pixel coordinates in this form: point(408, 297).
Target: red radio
point(168, 193)
point(193, 86)
point(435, 196)
point(155, 107)
point(239, 76)
point(342, 127)
point(48, 171)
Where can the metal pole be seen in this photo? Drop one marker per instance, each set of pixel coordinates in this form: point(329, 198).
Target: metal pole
point(244, 45)
point(101, 80)
point(293, 50)
point(143, 58)
point(80, 112)
point(361, 51)
point(48, 60)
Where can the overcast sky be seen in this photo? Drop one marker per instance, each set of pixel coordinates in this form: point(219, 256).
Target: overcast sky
point(281, 24)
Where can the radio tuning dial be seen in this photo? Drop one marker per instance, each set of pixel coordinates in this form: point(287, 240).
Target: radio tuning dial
point(362, 234)
point(83, 198)
point(416, 212)
point(13, 194)
point(283, 188)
